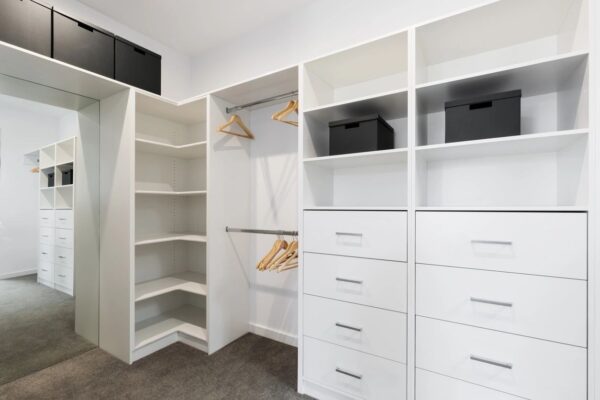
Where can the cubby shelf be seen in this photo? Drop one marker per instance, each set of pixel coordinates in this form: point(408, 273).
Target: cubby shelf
point(171, 237)
point(191, 282)
point(508, 209)
point(369, 158)
point(192, 150)
point(171, 193)
point(186, 319)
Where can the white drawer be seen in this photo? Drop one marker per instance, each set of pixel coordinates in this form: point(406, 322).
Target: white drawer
point(63, 277)
point(374, 283)
point(46, 272)
point(368, 329)
point(431, 386)
point(46, 254)
point(47, 236)
point(552, 244)
point(370, 234)
point(64, 238)
point(542, 307)
point(63, 256)
point(531, 368)
point(47, 218)
point(352, 372)
point(64, 219)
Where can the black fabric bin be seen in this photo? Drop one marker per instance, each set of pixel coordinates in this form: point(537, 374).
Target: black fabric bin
point(67, 177)
point(27, 24)
point(51, 179)
point(357, 135)
point(84, 45)
point(137, 66)
point(484, 117)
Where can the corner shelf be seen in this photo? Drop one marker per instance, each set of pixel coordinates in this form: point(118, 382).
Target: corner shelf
point(171, 237)
point(171, 193)
point(191, 282)
point(187, 319)
point(187, 151)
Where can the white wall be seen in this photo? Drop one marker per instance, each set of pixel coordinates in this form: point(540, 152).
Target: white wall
point(22, 130)
point(176, 66)
point(322, 27)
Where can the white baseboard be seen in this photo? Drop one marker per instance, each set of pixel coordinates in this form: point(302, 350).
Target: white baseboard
point(274, 334)
point(18, 274)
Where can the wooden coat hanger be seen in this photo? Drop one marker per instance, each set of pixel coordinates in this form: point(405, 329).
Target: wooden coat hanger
point(291, 107)
point(290, 252)
point(235, 119)
point(268, 258)
point(291, 262)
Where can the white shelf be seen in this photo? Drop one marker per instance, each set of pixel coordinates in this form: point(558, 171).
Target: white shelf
point(171, 193)
point(191, 282)
point(522, 144)
point(357, 208)
point(536, 77)
point(187, 320)
point(192, 150)
point(171, 237)
point(504, 208)
point(389, 105)
point(370, 158)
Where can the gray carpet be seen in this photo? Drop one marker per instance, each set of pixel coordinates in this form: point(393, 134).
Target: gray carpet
point(37, 328)
point(250, 368)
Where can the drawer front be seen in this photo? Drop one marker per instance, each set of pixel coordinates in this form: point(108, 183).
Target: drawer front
point(47, 236)
point(367, 329)
point(431, 386)
point(47, 218)
point(353, 372)
point(552, 244)
point(541, 307)
point(64, 219)
point(63, 276)
point(63, 256)
point(46, 254)
point(509, 363)
point(370, 234)
point(374, 283)
point(64, 238)
point(46, 272)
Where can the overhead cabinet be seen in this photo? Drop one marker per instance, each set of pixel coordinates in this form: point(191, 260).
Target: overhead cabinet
point(137, 66)
point(27, 24)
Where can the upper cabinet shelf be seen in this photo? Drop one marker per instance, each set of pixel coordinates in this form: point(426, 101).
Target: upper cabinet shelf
point(191, 150)
point(376, 68)
point(498, 35)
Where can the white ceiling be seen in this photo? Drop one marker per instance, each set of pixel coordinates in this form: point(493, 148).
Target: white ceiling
point(192, 26)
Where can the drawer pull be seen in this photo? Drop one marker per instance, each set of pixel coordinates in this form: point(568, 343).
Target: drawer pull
point(44, 269)
point(492, 302)
point(350, 374)
point(491, 362)
point(62, 219)
point(62, 238)
point(498, 242)
point(348, 234)
point(352, 328)
point(62, 275)
point(349, 280)
point(63, 257)
point(44, 253)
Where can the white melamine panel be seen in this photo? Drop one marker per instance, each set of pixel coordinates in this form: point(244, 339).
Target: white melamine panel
point(64, 219)
point(47, 236)
point(46, 272)
point(65, 151)
point(352, 372)
point(190, 113)
point(63, 278)
point(540, 307)
point(371, 234)
point(375, 283)
point(432, 386)
point(64, 238)
point(367, 329)
point(63, 256)
point(158, 216)
point(48, 157)
point(551, 244)
point(47, 218)
point(64, 198)
point(501, 361)
point(46, 254)
point(46, 198)
point(157, 172)
point(169, 259)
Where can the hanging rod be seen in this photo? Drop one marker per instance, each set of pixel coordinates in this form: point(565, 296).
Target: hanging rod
point(262, 231)
point(263, 101)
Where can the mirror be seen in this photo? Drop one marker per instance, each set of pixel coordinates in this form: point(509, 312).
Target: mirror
point(49, 226)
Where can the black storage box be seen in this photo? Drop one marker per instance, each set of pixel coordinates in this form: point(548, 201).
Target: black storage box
point(137, 66)
point(27, 24)
point(84, 45)
point(51, 179)
point(369, 133)
point(67, 177)
point(484, 117)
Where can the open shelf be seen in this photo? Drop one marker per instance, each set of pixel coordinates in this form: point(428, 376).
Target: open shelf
point(161, 173)
point(366, 159)
point(171, 193)
point(44, 177)
point(170, 237)
point(337, 208)
point(353, 74)
point(47, 198)
point(504, 33)
point(508, 209)
point(65, 167)
point(48, 157)
point(191, 150)
point(187, 319)
point(191, 282)
point(65, 151)
point(64, 197)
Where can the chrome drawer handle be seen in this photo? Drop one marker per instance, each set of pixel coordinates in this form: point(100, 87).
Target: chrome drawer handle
point(62, 275)
point(347, 373)
point(352, 328)
point(63, 257)
point(45, 218)
point(349, 280)
point(498, 242)
point(44, 253)
point(62, 219)
point(491, 362)
point(349, 234)
point(62, 238)
point(492, 302)
point(45, 270)
point(45, 236)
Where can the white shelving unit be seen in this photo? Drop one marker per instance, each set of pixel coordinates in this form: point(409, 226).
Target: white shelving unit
point(170, 225)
